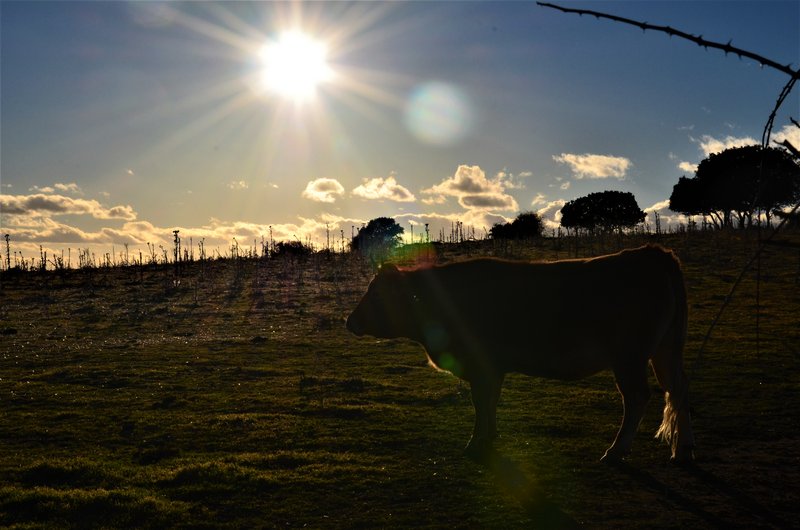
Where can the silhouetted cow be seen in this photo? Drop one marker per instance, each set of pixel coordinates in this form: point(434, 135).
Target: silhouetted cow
point(484, 318)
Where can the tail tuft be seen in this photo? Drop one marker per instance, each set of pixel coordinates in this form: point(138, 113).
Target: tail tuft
point(668, 431)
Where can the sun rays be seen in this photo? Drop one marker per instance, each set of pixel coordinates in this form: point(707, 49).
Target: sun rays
point(290, 70)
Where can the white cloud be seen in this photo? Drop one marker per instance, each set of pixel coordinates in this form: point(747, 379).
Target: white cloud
point(58, 186)
point(50, 231)
point(467, 179)
point(474, 191)
point(323, 190)
point(659, 206)
point(436, 199)
point(565, 186)
point(117, 212)
point(511, 181)
point(666, 216)
point(41, 204)
point(710, 145)
point(70, 187)
point(379, 188)
point(595, 166)
point(539, 199)
point(488, 202)
point(473, 221)
point(481, 219)
point(219, 233)
point(551, 214)
point(788, 132)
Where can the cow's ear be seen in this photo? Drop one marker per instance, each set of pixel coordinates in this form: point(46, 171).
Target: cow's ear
point(388, 268)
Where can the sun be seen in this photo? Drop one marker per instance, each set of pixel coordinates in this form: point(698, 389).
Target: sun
point(294, 66)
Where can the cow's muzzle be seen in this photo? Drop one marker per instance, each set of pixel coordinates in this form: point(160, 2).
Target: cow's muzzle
point(353, 327)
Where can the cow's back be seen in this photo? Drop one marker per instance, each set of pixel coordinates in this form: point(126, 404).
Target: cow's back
point(564, 319)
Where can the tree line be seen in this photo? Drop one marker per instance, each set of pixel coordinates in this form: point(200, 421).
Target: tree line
point(735, 188)
point(738, 185)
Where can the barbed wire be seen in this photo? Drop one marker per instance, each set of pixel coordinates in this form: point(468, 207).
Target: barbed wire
point(728, 48)
point(672, 32)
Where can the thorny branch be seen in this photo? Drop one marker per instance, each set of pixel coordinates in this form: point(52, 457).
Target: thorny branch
point(672, 32)
point(787, 89)
point(788, 145)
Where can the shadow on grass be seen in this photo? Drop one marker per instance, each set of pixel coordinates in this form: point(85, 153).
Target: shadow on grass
point(694, 505)
point(526, 491)
point(738, 498)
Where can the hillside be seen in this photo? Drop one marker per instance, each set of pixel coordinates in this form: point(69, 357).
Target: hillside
point(231, 396)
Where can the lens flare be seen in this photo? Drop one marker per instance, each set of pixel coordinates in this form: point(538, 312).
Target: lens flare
point(438, 113)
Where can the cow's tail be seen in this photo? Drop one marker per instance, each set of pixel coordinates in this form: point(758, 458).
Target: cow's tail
point(675, 427)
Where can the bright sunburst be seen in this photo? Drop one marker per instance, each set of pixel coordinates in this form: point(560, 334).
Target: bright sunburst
point(294, 65)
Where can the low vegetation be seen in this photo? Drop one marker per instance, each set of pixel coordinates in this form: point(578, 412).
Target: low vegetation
point(231, 396)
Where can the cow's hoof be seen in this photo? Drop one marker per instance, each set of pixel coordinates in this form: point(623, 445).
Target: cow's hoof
point(479, 451)
point(684, 457)
point(613, 457)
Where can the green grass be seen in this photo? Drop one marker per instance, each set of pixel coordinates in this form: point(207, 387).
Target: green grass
point(237, 399)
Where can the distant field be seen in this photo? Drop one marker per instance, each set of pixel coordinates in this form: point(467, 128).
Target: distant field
point(235, 398)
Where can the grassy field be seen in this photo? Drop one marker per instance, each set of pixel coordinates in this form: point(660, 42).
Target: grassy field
point(235, 398)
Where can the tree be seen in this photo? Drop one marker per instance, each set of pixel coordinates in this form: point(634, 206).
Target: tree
point(737, 184)
point(527, 225)
point(292, 249)
point(377, 239)
point(689, 198)
point(606, 210)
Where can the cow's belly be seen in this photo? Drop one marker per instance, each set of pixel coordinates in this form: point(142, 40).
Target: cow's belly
point(569, 354)
point(560, 363)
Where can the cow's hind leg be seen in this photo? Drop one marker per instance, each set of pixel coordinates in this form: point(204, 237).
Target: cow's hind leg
point(495, 397)
point(676, 427)
point(485, 395)
point(632, 384)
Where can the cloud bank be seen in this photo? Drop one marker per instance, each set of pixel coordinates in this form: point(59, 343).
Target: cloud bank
point(473, 190)
point(41, 204)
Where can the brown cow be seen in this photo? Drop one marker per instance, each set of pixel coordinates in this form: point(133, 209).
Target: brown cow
point(483, 318)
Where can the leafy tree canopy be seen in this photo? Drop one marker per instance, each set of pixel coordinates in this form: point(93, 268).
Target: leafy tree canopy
point(738, 183)
point(527, 225)
point(380, 234)
point(606, 210)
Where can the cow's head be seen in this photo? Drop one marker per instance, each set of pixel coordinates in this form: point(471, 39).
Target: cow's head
point(386, 311)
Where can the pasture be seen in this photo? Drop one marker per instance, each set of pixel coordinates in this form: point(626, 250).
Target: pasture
point(235, 398)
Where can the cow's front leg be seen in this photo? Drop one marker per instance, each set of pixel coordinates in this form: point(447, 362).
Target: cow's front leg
point(485, 394)
point(495, 397)
point(632, 384)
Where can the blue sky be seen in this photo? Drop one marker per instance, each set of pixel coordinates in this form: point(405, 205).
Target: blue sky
point(121, 122)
